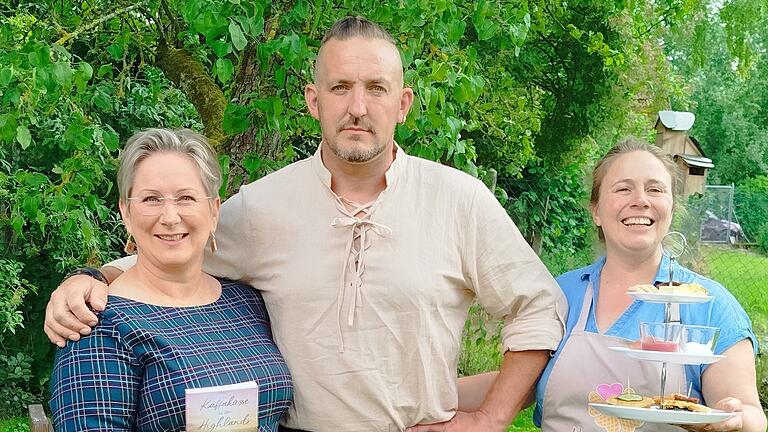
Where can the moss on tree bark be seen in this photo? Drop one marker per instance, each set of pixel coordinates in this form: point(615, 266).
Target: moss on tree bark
point(191, 77)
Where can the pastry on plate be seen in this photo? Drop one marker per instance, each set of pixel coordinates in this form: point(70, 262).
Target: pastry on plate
point(679, 402)
point(631, 400)
point(643, 288)
point(692, 289)
point(679, 405)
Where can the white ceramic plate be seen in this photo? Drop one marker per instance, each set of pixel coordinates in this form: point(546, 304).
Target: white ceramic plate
point(669, 298)
point(651, 415)
point(670, 357)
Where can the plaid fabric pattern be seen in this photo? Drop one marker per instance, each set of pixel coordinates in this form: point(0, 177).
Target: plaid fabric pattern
point(130, 374)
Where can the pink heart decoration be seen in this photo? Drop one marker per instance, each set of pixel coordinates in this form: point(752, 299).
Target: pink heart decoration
point(607, 391)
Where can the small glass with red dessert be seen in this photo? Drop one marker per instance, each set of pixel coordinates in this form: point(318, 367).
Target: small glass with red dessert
point(660, 336)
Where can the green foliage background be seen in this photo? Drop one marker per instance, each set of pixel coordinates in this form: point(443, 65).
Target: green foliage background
point(523, 94)
point(751, 202)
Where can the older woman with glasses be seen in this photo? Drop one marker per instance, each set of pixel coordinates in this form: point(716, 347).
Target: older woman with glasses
point(168, 326)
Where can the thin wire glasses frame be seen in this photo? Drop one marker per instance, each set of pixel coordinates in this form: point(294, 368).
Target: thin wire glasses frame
point(153, 205)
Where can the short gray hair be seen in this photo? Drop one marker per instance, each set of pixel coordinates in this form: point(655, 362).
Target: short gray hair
point(183, 141)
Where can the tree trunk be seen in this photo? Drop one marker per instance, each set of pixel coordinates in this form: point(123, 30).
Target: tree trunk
point(202, 91)
point(191, 77)
point(249, 81)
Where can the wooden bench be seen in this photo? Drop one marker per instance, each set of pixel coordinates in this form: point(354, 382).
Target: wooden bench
point(38, 421)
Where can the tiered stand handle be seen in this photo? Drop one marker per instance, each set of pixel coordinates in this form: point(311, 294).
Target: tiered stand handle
point(673, 245)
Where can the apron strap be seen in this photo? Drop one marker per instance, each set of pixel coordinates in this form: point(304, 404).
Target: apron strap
point(581, 324)
point(586, 304)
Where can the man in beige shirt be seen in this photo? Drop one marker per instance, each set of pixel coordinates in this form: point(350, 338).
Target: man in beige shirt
point(368, 260)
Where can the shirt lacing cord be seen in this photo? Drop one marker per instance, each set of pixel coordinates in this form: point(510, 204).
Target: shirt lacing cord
point(355, 262)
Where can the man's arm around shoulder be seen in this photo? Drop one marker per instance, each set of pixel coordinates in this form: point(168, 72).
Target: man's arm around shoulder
point(70, 311)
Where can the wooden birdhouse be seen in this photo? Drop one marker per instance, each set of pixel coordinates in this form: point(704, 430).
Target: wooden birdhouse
point(672, 136)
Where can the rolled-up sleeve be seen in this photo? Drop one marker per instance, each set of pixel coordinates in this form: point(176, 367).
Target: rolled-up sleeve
point(124, 263)
point(510, 281)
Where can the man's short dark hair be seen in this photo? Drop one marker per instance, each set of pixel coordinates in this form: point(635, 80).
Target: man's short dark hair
point(352, 27)
point(357, 26)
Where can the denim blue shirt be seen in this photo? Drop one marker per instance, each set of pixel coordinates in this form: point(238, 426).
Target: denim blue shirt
point(724, 312)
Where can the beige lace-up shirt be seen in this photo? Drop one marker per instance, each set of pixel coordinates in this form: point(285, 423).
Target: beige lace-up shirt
point(368, 302)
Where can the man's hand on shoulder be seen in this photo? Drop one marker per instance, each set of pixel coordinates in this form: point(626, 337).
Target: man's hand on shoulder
point(67, 315)
point(463, 422)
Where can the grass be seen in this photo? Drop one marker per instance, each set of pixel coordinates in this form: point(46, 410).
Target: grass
point(744, 273)
point(17, 424)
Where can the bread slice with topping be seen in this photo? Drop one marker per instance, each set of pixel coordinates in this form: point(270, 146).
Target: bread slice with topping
point(631, 400)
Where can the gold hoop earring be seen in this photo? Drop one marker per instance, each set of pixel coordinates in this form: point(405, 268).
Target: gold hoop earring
point(130, 245)
point(214, 246)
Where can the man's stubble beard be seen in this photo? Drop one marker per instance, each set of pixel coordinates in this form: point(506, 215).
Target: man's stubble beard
point(355, 153)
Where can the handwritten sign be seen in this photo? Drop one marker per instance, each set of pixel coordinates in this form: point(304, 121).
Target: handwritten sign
point(231, 408)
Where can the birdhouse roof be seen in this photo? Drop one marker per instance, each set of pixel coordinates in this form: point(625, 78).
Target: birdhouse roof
point(676, 120)
point(698, 146)
point(697, 161)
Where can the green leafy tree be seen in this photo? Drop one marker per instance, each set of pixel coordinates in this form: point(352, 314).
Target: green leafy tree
point(751, 205)
point(61, 114)
point(728, 81)
point(520, 93)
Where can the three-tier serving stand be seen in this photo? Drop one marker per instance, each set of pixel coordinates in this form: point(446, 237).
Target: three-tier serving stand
point(673, 245)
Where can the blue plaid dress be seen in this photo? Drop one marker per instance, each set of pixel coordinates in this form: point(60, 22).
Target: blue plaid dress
point(130, 374)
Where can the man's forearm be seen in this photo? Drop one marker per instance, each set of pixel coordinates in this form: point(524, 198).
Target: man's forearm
point(473, 389)
point(513, 386)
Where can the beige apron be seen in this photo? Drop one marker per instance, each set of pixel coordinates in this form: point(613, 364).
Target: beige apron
point(587, 371)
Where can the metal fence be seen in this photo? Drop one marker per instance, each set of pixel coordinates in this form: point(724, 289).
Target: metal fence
point(716, 216)
point(744, 271)
point(718, 249)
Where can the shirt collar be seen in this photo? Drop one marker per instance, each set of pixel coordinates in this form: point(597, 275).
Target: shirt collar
point(398, 165)
point(320, 169)
point(392, 174)
point(663, 274)
point(592, 272)
point(682, 274)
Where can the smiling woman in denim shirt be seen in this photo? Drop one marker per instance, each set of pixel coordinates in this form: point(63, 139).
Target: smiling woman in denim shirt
point(632, 204)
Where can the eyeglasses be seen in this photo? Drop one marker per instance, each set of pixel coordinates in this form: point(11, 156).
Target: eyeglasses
point(153, 205)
